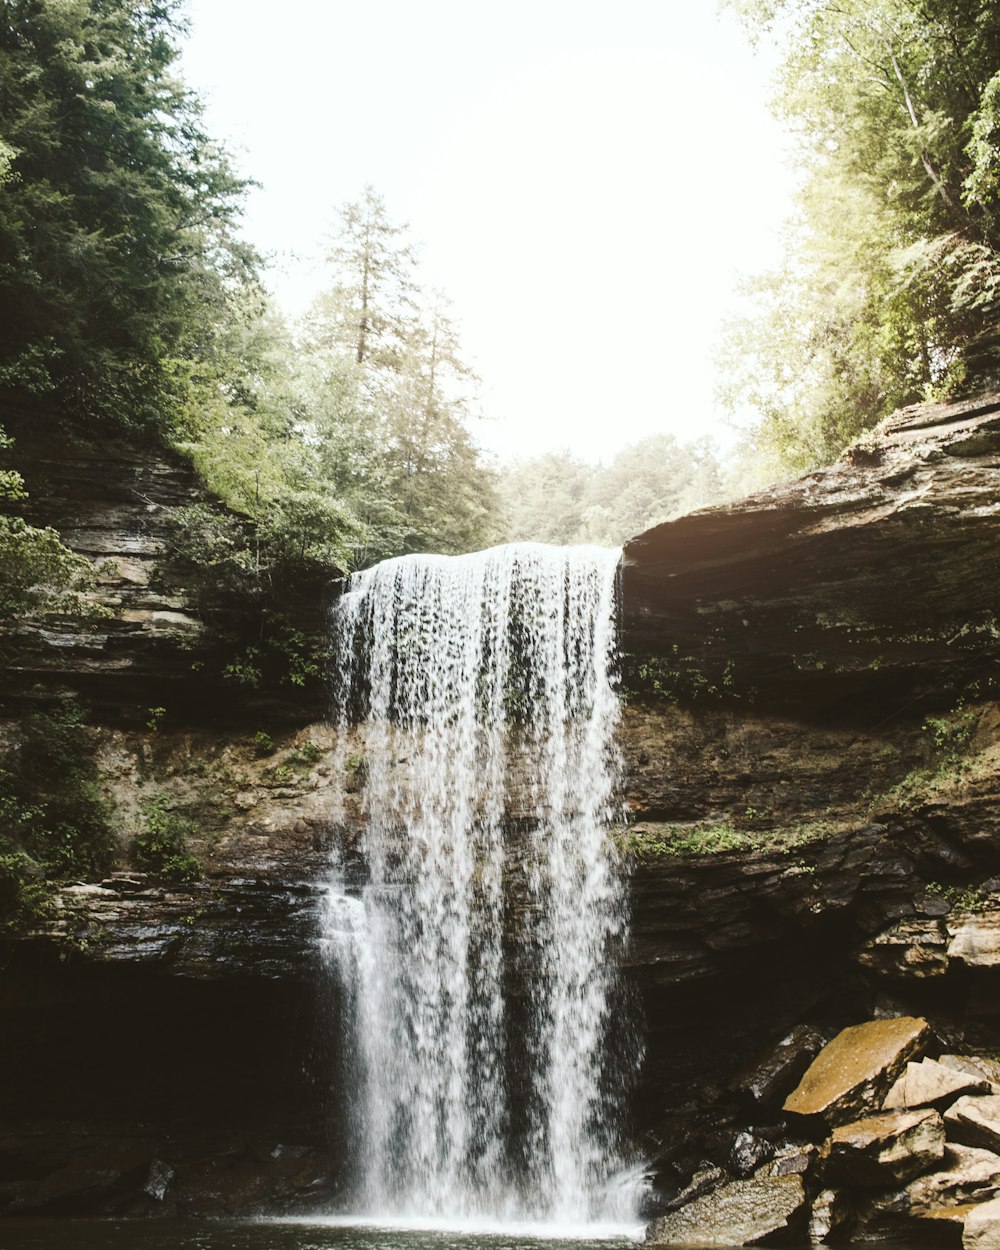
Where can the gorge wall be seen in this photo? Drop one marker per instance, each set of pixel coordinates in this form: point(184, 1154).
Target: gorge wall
point(811, 734)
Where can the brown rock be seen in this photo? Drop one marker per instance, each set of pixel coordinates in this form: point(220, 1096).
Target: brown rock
point(856, 1070)
point(882, 1149)
point(925, 1083)
point(742, 1213)
point(975, 1121)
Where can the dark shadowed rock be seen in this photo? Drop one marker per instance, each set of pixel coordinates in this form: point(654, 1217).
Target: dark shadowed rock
point(773, 1075)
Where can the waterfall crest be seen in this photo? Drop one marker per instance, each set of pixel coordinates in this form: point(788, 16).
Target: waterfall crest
point(476, 964)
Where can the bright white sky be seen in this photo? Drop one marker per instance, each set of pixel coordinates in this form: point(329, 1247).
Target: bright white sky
point(586, 181)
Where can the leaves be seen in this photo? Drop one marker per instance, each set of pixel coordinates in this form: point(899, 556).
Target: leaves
point(892, 262)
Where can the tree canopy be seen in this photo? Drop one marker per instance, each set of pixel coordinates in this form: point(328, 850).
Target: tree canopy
point(557, 498)
point(892, 262)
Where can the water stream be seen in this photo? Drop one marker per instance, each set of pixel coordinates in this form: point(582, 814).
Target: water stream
point(476, 960)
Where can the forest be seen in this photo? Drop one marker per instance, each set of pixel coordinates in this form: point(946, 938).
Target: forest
point(132, 307)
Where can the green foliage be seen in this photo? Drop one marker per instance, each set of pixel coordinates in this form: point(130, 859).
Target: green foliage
point(161, 846)
point(677, 678)
point(115, 239)
point(263, 743)
point(39, 575)
point(717, 838)
point(892, 260)
point(388, 399)
point(55, 825)
point(962, 899)
point(951, 733)
point(306, 755)
point(558, 499)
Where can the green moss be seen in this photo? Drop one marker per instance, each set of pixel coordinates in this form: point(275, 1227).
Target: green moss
point(715, 838)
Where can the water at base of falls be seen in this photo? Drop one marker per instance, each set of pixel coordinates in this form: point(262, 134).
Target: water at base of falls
point(484, 1027)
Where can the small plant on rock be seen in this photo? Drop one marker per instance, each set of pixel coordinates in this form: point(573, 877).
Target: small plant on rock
point(161, 847)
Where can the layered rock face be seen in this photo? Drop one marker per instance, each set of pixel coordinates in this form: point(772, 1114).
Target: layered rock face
point(811, 740)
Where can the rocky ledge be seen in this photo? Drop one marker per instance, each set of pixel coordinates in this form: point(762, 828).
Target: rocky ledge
point(878, 570)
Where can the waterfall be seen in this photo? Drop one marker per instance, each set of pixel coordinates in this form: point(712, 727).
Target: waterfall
point(476, 958)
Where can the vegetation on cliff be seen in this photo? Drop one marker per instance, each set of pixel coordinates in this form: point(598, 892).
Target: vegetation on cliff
point(130, 305)
point(893, 261)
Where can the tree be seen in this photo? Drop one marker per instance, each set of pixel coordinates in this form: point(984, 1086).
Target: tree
point(893, 260)
point(390, 398)
point(556, 498)
point(116, 248)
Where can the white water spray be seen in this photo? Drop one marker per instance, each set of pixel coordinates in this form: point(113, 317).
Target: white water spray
point(476, 965)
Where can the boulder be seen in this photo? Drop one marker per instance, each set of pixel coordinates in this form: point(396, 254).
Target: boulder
point(975, 1121)
point(882, 1149)
point(742, 1213)
point(927, 1083)
point(967, 1175)
point(982, 1227)
point(772, 1077)
point(975, 939)
point(855, 1071)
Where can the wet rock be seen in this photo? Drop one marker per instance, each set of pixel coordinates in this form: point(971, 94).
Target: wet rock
point(882, 1149)
point(912, 948)
point(830, 1215)
point(742, 1213)
point(927, 1083)
point(975, 939)
point(975, 1121)
point(773, 1076)
point(158, 1180)
point(702, 1182)
point(856, 1070)
point(982, 1227)
point(747, 1153)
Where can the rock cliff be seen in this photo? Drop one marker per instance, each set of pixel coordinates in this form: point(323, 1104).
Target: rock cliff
point(811, 738)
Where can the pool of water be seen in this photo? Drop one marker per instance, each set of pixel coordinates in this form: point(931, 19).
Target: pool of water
point(46, 1234)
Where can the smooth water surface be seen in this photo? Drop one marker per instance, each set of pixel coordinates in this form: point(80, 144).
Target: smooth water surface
point(45, 1234)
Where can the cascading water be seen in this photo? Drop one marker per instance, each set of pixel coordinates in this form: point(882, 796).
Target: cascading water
point(476, 965)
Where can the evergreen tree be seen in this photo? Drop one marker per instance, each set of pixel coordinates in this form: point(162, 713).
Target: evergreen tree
point(116, 212)
point(390, 398)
